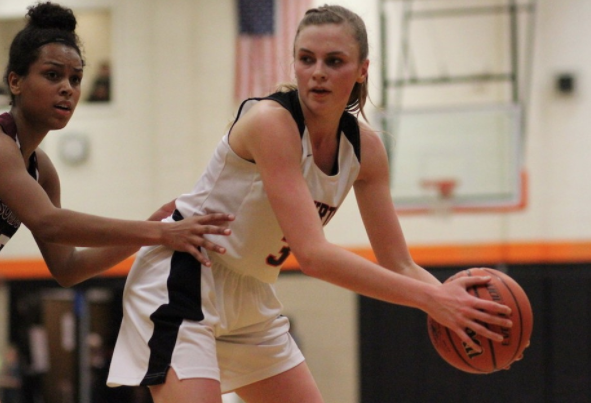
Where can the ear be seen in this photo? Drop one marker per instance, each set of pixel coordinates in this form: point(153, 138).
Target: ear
point(363, 70)
point(14, 83)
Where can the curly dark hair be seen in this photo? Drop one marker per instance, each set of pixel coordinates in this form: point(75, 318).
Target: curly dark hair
point(46, 23)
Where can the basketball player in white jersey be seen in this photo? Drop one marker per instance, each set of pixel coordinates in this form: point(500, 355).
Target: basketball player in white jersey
point(192, 332)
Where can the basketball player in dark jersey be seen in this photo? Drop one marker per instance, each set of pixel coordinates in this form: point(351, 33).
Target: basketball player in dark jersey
point(43, 77)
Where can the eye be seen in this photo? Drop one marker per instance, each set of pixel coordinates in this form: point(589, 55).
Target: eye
point(76, 80)
point(51, 75)
point(334, 61)
point(305, 59)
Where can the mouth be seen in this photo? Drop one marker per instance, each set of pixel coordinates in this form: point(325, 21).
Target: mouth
point(66, 107)
point(319, 90)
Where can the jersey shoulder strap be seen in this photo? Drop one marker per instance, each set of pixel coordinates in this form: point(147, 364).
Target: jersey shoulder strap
point(8, 125)
point(350, 127)
point(290, 101)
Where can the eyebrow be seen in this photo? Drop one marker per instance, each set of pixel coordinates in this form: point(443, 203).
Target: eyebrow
point(56, 64)
point(333, 53)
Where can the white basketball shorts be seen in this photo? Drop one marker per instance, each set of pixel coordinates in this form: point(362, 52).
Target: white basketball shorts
point(203, 322)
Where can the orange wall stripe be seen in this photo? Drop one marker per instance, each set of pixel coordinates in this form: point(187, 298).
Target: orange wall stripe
point(33, 269)
point(511, 253)
point(430, 256)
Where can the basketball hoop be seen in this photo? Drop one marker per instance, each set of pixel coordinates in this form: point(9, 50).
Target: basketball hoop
point(443, 189)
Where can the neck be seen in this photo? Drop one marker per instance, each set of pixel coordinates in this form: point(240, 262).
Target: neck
point(29, 138)
point(322, 127)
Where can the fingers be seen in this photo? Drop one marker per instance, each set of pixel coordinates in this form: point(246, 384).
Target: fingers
point(489, 313)
point(215, 224)
point(493, 308)
point(517, 359)
point(465, 336)
point(187, 235)
point(197, 254)
point(475, 316)
point(483, 304)
point(478, 324)
point(200, 257)
point(214, 218)
point(521, 355)
point(212, 246)
point(501, 320)
point(484, 331)
point(472, 281)
point(213, 229)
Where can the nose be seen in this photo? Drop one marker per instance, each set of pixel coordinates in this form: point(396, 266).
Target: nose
point(66, 88)
point(319, 71)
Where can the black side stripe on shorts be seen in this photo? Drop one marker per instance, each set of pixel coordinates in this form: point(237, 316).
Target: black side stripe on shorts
point(184, 291)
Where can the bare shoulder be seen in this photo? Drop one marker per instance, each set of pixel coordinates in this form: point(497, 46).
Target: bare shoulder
point(10, 155)
point(264, 123)
point(265, 113)
point(7, 144)
point(371, 139)
point(374, 160)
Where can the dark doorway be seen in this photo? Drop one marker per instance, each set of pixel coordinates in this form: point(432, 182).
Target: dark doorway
point(65, 339)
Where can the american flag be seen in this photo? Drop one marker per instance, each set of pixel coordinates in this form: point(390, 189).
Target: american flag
point(264, 47)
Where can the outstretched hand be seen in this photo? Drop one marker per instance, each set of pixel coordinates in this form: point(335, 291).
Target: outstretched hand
point(187, 235)
point(458, 310)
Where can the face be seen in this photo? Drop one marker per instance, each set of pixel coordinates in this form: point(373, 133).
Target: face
point(47, 96)
point(327, 66)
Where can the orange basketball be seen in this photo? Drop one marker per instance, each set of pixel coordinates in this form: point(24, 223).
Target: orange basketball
point(494, 355)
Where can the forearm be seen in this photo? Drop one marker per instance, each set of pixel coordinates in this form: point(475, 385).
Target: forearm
point(349, 270)
point(82, 264)
point(413, 270)
point(68, 227)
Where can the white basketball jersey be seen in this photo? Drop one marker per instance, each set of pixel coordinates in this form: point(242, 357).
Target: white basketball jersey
point(232, 184)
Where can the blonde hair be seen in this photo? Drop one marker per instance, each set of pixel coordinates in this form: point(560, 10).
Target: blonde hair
point(331, 14)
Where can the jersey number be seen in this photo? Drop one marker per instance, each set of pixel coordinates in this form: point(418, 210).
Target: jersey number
point(273, 260)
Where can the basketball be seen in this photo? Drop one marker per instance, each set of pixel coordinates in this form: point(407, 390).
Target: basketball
point(494, 355)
